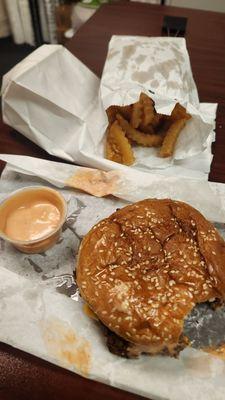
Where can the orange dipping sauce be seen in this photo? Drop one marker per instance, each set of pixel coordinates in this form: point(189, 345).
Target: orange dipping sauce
point(32, 221)
point(32, 218)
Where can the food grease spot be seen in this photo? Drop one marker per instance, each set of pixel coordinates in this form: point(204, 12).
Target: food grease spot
point(112, 54)
point(178, 55)
point(173, 85)
point(162, 68)
point(217, 352)
point(62, 343)
point(155, 83)
point(141, 76)
point(127, 52)
point(140, 59)
point(95, 182)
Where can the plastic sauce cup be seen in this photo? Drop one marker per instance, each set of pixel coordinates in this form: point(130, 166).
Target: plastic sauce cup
point(22, 198)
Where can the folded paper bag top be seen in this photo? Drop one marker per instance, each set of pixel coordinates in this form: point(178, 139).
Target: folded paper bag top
point(53, 73)
point(54, 100)
point(47, 98)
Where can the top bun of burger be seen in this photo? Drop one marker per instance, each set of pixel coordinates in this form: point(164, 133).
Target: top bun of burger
point(144, 268)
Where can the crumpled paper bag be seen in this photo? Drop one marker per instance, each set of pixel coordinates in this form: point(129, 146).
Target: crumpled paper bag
point(48, 97)
point(54, 100)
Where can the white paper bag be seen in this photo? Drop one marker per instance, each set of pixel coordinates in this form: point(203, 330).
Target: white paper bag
point(48, 97)
point(55, 101)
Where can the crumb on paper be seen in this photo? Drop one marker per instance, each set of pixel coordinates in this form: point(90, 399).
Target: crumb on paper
point(96, 182)
point(66, 346)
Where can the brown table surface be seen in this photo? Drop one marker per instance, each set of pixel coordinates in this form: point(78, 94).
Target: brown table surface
point(23, 376)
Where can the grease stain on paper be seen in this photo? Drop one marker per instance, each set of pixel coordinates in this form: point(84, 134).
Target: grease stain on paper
point(112, 53)
point(96, 182)
point(164, 68)
point(140, 58)
point(127, 52)
point(203, 365)
point(61, 342)
point(155, 83)
point(217, 352)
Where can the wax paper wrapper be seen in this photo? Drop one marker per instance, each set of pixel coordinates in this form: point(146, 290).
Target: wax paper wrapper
point(127, 184)
point(42, 313)
point(57, 102)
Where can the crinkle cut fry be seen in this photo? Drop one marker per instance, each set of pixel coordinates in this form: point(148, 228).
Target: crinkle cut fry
point(148, 109)
point(143, 112)
point(125, 111)
point(179, 112)
point(171, 137)
point(141, 138)
point(136, 114)
point(145, 127)
point(118, 148)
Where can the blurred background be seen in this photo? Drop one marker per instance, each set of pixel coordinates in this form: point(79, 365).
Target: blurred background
point(26, 24)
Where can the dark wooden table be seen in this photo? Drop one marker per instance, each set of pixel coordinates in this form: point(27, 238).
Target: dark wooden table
point(23, 376)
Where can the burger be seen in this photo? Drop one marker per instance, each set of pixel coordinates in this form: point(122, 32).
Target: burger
point(143, 269)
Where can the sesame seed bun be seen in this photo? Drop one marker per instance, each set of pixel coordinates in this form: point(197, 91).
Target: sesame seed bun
point(144, 268)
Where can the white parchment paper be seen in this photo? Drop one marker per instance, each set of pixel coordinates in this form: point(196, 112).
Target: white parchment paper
point(57, 102)
point(40, 310)
point(127, 184)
